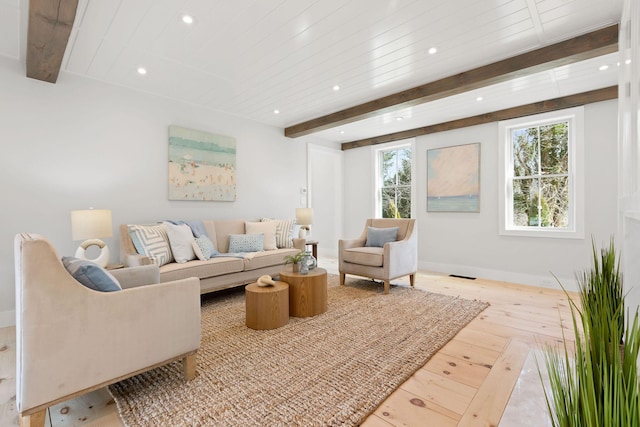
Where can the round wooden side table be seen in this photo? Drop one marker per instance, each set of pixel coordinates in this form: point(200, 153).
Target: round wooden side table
point(267, 306)
point(307, 292)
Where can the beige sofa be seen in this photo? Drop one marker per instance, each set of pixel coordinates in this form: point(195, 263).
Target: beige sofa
point(220, 272)
point(71, 340)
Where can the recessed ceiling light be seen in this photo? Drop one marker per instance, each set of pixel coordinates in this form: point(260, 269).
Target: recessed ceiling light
point(628, 61)
point(276, 111)
point(187, 19)
point(142, 71)
point(399, 118)
point(336, 88)
point(603, 67)
point(341, 132)
point(479, 99)
point(432, 50)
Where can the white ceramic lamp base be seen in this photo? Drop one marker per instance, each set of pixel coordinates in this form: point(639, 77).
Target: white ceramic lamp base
point(103, 258)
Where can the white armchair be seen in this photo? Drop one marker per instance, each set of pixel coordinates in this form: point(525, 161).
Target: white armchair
point(72, 340)
point(394, 259)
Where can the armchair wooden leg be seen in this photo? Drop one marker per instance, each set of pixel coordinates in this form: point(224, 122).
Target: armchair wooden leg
point(412, 279)
point(189, 366)
point(36, 419)
point(386, 287)
point(342, 277)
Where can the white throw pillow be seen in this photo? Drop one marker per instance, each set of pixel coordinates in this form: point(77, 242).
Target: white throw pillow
point(266, 228)
point(181, 241)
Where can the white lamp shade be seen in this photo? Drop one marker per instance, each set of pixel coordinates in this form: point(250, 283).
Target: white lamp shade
point(304, 216)
point(90, 224)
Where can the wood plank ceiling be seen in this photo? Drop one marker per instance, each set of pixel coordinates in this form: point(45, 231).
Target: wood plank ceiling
point(250, 57)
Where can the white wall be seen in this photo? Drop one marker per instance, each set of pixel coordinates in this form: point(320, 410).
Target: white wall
point(80, 143)
point(469, 243)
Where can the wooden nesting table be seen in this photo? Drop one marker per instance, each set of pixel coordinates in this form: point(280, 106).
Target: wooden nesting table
point(267, 307)
point(307, 292)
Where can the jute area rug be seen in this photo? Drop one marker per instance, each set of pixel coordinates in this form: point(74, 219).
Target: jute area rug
point(327, 370)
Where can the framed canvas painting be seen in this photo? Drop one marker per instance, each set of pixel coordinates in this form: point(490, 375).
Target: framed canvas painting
point(453, 179)
point(202, 165)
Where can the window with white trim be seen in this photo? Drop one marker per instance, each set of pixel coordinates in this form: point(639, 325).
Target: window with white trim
point(393, 183)
point(541, 184)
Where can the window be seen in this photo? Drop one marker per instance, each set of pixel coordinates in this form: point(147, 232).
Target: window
point(394, 182)
point(542, 175)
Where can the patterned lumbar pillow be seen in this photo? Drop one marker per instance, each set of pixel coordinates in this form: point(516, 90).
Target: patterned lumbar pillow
point(246, 243)
point(91, 274)
point(152, 241)
point(284, 231)
point(203, 248)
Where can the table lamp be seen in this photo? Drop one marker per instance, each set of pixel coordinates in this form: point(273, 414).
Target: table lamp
point(304, 218)
point(91, 224)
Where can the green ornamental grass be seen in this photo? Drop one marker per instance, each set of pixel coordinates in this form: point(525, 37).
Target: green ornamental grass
point(597, 385)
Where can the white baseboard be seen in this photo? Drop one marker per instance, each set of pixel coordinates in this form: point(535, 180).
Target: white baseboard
point(547, 281)
point(7, 318)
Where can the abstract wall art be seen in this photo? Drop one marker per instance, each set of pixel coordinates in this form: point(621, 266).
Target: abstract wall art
point(202, 165)
point(453, 179)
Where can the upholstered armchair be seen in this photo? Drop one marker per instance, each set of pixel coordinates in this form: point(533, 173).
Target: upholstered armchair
point(72, 339)
point(379, 253)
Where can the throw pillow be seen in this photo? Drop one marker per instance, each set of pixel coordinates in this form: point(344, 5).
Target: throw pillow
point(91, 274)
point(181, 241)
point(379, 236)
point(284, 231)
point(268, 228)
point(203, 248)
point(152, 241)
point(246, 243)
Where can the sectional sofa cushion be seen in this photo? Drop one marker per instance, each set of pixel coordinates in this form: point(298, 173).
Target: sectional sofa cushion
point(91, 274)
point(152, 241)
point(180, 241)
point(268, 228)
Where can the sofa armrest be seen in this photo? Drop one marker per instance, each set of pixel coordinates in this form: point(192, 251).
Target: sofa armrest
point(136, 260)
point(401, 257)
point(137, 276)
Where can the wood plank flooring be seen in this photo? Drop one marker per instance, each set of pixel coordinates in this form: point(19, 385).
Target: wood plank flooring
point(467, 383)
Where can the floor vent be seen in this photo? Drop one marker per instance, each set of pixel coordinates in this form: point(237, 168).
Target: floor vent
point(462, 277)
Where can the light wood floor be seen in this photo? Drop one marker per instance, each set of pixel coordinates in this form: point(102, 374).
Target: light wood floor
point(467, 383)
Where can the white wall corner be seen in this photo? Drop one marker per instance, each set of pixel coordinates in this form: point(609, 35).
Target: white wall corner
point(543, 281)
point(7, 318)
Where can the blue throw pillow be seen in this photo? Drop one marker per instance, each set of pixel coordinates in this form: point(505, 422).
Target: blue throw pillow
point(91, 274)
point(203, 248)
point(379, 236)
point(246, 243)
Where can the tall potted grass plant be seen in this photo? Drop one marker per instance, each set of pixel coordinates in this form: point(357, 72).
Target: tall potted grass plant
point(596, 383)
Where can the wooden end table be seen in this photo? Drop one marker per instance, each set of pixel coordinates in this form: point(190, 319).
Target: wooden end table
point(307, 292)
point(267, 306)
point(314, 247)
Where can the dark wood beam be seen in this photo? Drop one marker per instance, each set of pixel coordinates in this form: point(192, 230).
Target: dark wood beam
point(579, 48)
point(50, 23)
point(597, 95)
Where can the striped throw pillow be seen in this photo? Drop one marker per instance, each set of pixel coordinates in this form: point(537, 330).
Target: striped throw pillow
point(284, 231)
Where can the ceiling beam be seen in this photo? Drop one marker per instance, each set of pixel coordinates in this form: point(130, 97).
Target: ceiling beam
point(580, 48)
point(50, 24)
point(597, 95)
